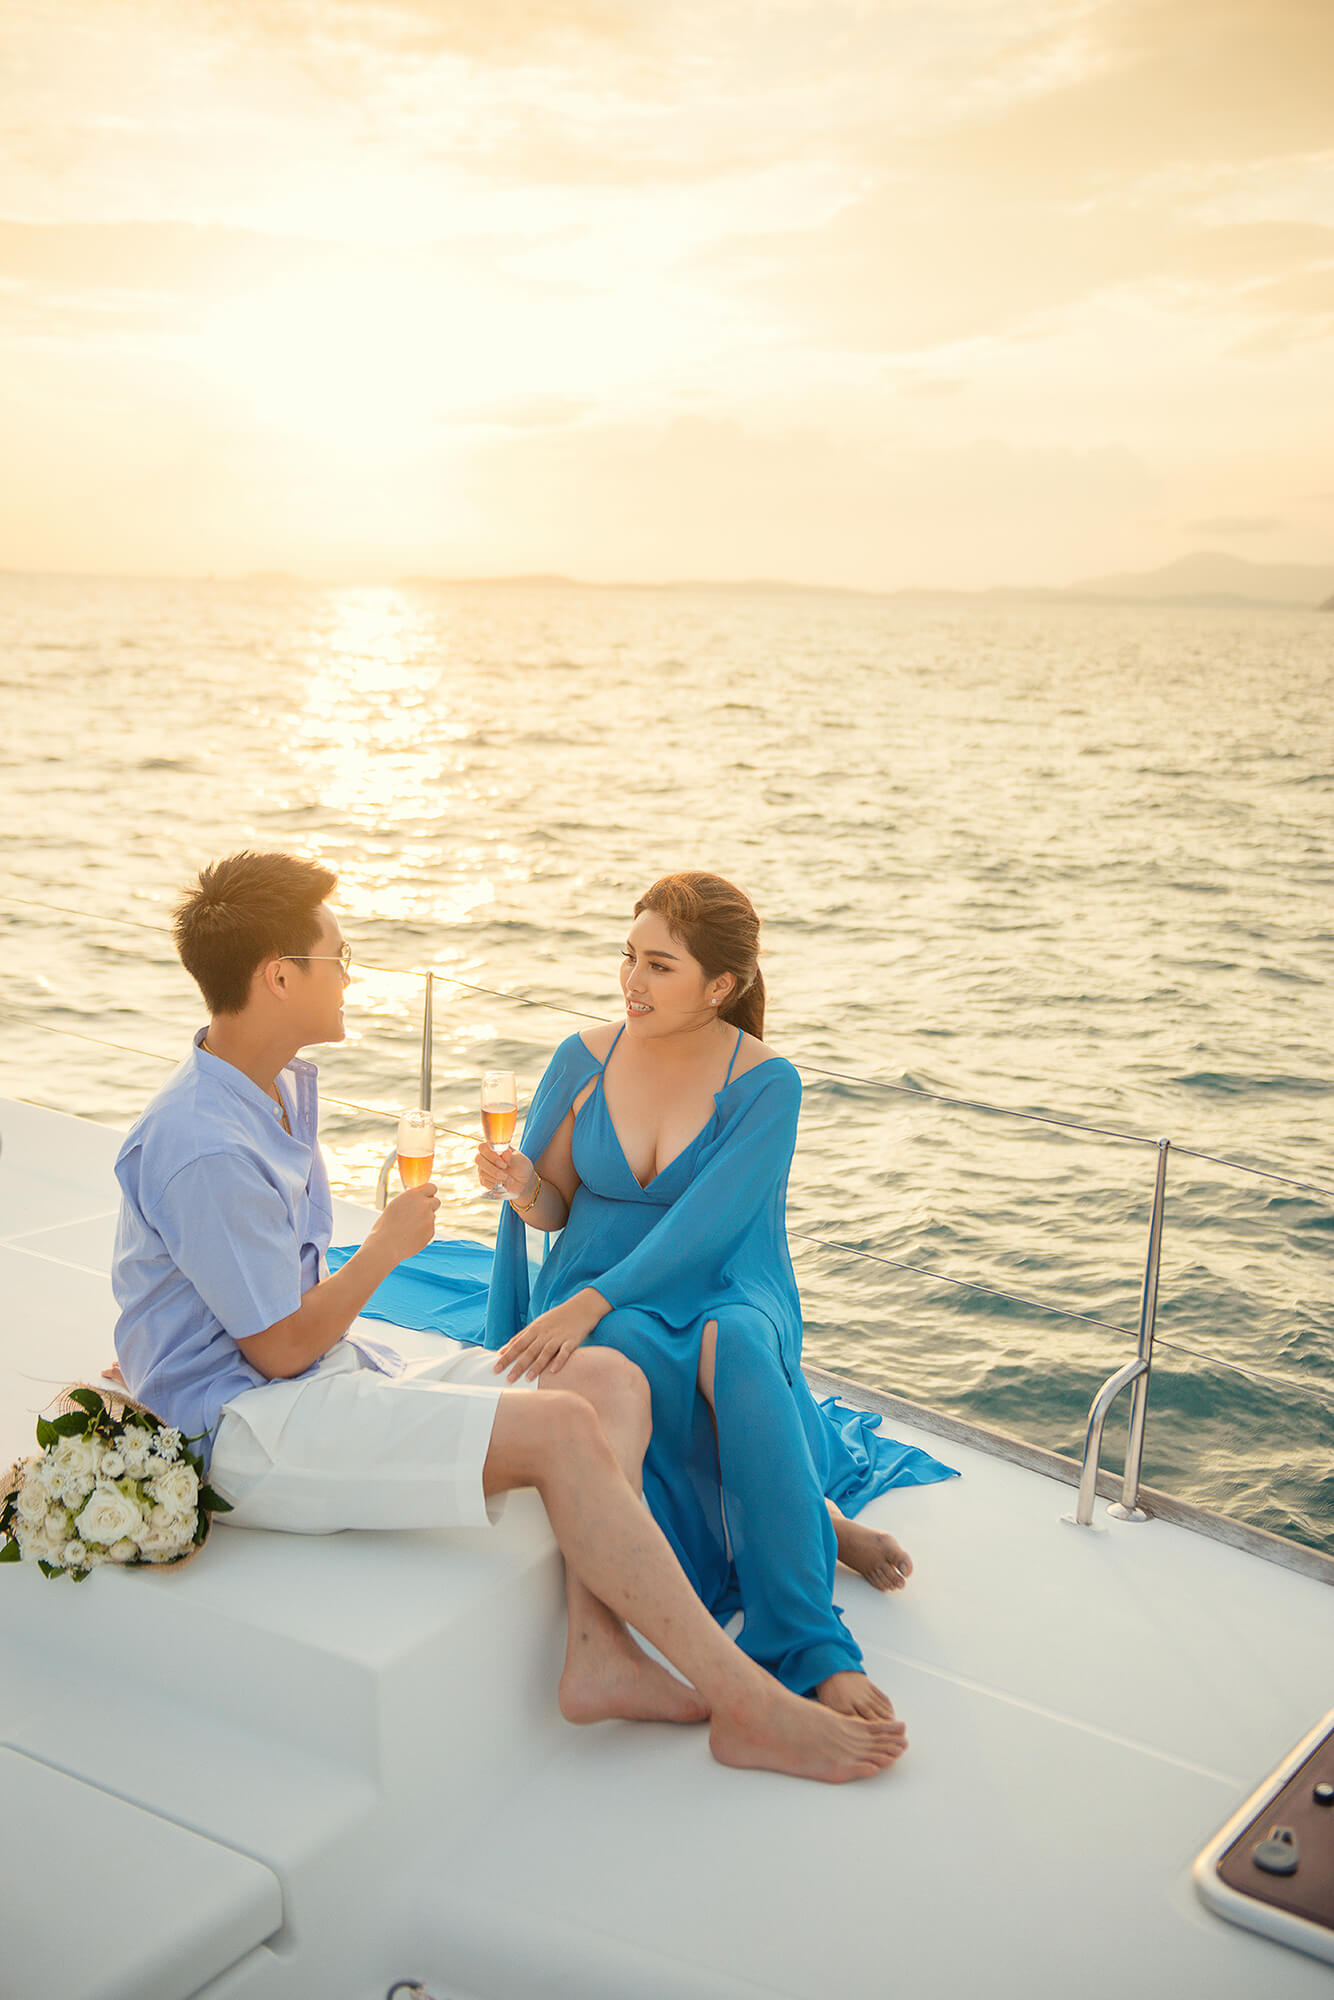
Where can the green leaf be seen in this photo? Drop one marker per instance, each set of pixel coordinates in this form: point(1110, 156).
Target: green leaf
point(11, 1553)
point(88, 1399)
point(214, 1501)
point(46, 1432)
point(49, 1569)
point(72, 1424)
point(80, 1575)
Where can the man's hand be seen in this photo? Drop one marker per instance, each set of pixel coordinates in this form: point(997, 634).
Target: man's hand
point(292, 1345)
point(407, 1223)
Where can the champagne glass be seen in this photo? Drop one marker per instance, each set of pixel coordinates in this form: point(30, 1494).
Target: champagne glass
point(416, 1147)
point(500, 1111)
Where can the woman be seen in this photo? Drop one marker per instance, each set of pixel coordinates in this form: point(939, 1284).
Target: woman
point(660, 1148)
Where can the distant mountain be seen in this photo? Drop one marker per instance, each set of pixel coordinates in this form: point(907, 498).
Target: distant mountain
point(1203, 578)
point(1213, 578)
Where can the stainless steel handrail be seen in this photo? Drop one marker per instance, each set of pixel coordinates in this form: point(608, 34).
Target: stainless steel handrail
point(1134, 1373)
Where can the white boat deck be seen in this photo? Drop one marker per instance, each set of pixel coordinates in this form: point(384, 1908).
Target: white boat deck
point(303, 1768)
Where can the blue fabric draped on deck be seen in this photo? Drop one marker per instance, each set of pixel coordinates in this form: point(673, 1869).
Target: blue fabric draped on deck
point(441, 1290)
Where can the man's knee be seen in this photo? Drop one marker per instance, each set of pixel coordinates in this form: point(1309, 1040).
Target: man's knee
point(538, 1438)
point(568, 1428)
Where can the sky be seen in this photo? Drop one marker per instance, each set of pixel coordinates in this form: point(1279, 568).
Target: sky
point(879, 293)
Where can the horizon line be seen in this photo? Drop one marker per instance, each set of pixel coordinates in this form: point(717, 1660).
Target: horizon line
point(1081, 590)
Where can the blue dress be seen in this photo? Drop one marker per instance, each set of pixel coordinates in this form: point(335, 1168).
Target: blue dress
point(742, 1504)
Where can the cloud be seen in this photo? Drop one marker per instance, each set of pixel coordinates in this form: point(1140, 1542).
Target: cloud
point(1116, 146)
point(503, 31)
point(1160, 85)
point(1235, 524)
point(713, 498)
point(167, 257)
point(917, 265)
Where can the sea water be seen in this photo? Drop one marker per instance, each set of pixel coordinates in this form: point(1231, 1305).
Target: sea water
point(1063, 860)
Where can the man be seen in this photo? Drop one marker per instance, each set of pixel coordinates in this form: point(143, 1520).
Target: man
point(229, 1330)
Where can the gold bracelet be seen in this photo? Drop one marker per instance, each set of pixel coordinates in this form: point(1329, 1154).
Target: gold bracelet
point(532, 1199)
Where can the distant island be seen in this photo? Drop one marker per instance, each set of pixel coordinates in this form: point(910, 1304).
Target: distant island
point(1211, 578)
point(1205, 578)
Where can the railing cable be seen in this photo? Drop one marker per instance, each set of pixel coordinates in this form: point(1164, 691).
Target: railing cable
point(1262, 1173)
point(1252, 1374)
point(964, 1284)
point(494, 992)
point(975, 1104)
point(89, 916)
point(98, 1041)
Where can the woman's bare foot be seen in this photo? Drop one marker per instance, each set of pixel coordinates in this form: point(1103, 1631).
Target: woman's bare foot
point(805, 1740)
point(884, 1563)
point(852, 1694)
point(612, 1679)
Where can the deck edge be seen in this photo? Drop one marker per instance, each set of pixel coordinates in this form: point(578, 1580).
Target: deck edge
point(1160, 1506)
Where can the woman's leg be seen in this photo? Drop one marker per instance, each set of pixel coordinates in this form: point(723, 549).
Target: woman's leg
point(783, 1541)
point(680, 1474)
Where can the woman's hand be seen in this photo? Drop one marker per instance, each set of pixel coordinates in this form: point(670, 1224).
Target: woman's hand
point(547, 1342)
point(503, 1171)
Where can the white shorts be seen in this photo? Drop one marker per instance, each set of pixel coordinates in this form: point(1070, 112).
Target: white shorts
point(348, 1447)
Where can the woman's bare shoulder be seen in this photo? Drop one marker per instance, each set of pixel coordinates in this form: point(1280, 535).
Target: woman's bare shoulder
point(598, 1040)
point(751, 1054)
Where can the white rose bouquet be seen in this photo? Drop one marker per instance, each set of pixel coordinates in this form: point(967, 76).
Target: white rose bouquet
point(113, 1484)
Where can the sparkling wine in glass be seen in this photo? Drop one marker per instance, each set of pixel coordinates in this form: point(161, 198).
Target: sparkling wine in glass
point(500, 1110)
point(416, 1147)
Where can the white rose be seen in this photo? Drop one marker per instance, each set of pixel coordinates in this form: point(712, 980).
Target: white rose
point(32, 1501)
point(56, 1525)
point(177, 1489)
point(112, 1466)
point(107, 1517)
point(77, 1455)
point(37, 1545)
point(123, 1551)
point(166, 1536)
point(74, 1555)
point(135, 1444)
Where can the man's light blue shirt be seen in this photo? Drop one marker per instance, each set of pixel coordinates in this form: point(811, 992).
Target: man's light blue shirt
point(224, 1222)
